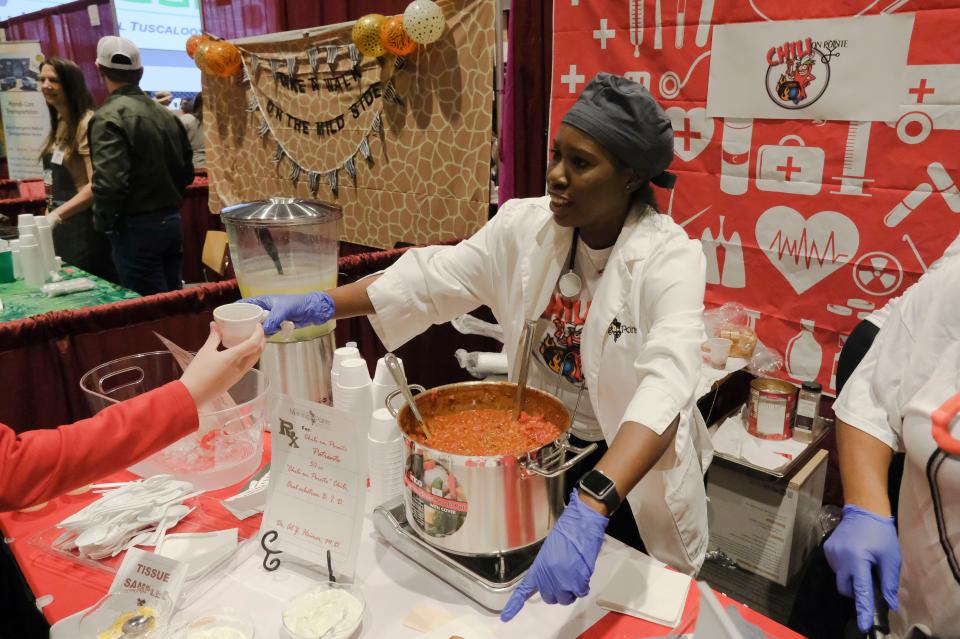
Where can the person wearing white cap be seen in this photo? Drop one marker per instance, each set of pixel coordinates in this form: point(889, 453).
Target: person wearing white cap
point(142, 165)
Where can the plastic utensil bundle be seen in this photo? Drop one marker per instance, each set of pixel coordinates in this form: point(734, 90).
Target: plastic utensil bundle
point(135, 513)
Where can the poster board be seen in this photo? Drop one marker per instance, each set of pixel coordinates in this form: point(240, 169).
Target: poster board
point(428, 174)
point(26, 120)
point(811, 224)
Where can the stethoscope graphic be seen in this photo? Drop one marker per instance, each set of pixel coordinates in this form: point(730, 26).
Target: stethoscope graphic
point(947, 447)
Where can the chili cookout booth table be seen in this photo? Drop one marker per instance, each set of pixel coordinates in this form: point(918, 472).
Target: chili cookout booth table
point(21, 301)
point(392, 586)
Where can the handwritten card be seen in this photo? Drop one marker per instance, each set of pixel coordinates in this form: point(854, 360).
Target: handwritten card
point(317, 484)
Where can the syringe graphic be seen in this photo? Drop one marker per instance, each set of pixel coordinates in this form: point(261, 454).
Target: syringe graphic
point(855, 160)
point(636, 26)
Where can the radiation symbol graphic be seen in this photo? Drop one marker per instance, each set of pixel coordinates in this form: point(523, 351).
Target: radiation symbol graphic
point(877, 273)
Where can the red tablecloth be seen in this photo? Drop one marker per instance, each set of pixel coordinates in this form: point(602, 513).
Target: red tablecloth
point(75, 587)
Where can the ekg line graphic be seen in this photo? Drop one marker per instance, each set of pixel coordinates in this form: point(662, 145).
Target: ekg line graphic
point(805, 250)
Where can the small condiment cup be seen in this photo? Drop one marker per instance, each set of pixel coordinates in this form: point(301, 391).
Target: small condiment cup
point(237, 321)
point(238, 626)
point(719, 350)
point(342, 630)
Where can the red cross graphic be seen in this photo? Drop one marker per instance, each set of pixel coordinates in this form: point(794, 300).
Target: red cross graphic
point(686, 134)
point(921, 91)
point(789, 169)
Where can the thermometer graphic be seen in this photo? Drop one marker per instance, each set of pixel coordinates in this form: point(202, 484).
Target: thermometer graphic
point(636, 26)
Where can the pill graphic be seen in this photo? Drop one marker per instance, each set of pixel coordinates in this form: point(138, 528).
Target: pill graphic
point(905, 207)
point(945, 184)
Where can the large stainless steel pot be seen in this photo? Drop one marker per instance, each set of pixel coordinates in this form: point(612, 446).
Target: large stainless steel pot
point(484, 505)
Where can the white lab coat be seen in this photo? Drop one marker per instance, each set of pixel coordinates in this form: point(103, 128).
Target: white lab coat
point(911, 369)
point(654, 281)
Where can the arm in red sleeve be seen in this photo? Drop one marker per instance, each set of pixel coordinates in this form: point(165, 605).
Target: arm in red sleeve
point(38, 465)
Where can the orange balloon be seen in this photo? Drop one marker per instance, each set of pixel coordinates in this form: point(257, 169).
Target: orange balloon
point(395, 38)
point(195, 40)
point(222, 58)
point(200, 54)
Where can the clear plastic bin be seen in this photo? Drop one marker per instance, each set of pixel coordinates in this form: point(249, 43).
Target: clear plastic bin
point(231, 446)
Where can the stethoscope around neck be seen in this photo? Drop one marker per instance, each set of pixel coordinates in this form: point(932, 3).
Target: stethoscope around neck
point(570, 283)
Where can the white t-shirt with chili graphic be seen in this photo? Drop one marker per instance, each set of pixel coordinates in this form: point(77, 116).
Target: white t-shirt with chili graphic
point(557, 365)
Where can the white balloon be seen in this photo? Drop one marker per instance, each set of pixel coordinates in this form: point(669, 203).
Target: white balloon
point(424, 21)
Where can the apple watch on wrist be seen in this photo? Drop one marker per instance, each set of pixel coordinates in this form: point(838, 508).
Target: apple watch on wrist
point(597, 485)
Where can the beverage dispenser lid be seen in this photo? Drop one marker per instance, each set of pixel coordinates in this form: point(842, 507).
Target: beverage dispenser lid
point(282, 211)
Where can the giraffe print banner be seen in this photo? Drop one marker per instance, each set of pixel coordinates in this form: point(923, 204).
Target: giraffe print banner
point(427, 176)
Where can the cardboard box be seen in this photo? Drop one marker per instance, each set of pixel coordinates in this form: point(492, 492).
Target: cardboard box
point(768, 527)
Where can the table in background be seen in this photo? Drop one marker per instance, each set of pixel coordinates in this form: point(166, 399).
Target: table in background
point(21, 301)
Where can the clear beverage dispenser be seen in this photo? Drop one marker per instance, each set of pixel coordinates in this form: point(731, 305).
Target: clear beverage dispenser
point(285, 245)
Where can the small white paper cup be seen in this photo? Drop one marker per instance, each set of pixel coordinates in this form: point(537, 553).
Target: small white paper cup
point(719, 350)
point(237, 321)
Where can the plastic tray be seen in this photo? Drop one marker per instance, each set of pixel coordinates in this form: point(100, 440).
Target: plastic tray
point(208, 514)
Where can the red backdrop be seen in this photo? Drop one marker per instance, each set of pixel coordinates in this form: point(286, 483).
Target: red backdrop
point(797, 263)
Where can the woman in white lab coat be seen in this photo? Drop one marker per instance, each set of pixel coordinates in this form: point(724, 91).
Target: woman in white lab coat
point(908, 382)
point(618, 293)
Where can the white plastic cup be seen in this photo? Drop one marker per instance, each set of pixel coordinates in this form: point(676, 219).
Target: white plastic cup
point(383, 384)
point(719, 349)
point(341, 355)
point(383, 426)
point(31, 261)
point(354, 373)
point(45, 234)
point(237, 321)
point(26, 219)
point(15, 249)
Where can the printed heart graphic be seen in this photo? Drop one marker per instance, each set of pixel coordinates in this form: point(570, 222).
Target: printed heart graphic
point(692, 131)
point(806, 251)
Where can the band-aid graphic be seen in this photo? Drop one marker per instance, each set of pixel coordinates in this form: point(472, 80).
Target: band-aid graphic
point(910, 201)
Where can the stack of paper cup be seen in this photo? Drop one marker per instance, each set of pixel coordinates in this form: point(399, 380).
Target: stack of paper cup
point(31, 261)
point(340, 355)
point(45, 235)
point(352, 391)
point(15, 249)
point(384, 459)
point(383, 384)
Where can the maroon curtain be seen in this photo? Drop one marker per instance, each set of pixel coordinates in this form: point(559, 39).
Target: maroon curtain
point(242, 18)
point(526, 101)
point(66, 32)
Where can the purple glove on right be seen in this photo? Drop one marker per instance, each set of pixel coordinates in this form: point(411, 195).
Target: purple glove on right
point(303, 310)
point(862, 540)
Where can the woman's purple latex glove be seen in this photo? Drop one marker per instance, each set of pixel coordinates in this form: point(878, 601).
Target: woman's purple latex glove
point(861, 541)
point(564, 565)
point(310, 308)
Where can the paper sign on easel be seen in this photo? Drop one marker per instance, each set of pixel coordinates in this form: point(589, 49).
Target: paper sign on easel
point(317, 485)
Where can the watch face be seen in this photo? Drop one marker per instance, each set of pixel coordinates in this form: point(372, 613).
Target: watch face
point(596, 483)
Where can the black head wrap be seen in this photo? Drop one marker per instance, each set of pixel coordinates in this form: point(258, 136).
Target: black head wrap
point(625, 119)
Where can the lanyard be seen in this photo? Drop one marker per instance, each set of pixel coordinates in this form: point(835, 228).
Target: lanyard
point(940, 428)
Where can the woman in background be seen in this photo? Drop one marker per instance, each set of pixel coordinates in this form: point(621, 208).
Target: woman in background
point(67, 169)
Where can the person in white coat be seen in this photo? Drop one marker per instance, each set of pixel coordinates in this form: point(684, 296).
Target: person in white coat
point(905, 396)
point(617, 290)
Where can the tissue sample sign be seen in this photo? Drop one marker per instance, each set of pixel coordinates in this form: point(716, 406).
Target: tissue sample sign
point(26, 121)
point(160, 29)
point(317, 485)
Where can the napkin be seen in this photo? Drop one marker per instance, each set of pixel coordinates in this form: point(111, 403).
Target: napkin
point(643, 589)
point(468, 627)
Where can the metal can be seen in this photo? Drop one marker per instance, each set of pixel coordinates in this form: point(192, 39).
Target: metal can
point(771, 407)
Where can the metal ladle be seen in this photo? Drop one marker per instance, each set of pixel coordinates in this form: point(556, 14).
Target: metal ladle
point(393, 365)
point(525, 352)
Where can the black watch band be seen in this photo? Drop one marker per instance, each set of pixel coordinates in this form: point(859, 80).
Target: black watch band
point(601, 488)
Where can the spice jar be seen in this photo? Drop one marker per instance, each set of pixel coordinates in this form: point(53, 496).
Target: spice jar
point(808, 411)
